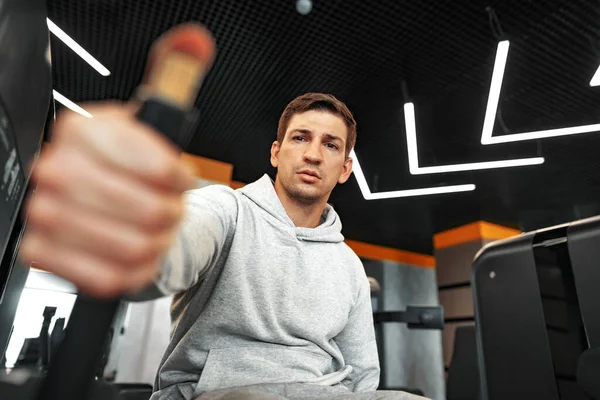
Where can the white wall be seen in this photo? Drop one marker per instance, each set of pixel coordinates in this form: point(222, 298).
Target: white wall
point(144, 342)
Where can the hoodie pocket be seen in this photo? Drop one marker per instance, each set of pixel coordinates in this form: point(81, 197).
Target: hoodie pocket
point(242, 366)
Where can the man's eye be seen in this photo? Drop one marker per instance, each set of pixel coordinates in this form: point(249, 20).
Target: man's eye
point(298, 138)
point(332, 145)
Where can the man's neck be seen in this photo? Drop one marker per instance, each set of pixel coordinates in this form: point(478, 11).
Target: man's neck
point(302, 215)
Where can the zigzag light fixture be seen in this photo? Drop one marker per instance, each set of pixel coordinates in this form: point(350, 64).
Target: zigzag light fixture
point(69, 104)
point(413, 153)
point(492, 107)
point(357, 170)
point(596, 78)
point(358, 173)
point(366, 192)
point(80, 51)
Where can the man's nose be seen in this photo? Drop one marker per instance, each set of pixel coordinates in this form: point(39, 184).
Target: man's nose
point(313, 153)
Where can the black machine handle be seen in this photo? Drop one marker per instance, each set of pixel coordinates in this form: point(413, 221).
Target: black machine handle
point(71, 374)
point(72, 371)
point(416, 317)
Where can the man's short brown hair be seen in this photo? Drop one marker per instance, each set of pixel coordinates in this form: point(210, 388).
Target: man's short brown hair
point(321, 102)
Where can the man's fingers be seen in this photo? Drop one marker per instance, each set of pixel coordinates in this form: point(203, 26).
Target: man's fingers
point(91, 275)
point(103, 191)
point(114, 138)
point(95, 234)
point(108, 201)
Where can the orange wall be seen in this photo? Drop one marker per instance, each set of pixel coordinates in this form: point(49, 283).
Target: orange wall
point(479, 230)
point(208, 169)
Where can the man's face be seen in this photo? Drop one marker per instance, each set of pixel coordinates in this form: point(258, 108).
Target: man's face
point(311, 159)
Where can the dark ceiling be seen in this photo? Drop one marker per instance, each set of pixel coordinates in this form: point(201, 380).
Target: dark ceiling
point(362, 51)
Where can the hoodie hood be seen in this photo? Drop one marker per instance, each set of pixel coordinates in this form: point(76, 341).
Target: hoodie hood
point(262, 193)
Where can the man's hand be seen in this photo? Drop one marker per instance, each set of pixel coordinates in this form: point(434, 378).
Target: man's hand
point(108, 203)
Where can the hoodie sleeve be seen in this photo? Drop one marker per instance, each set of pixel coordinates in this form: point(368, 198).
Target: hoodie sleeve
point(357, 342)
point(211, 215)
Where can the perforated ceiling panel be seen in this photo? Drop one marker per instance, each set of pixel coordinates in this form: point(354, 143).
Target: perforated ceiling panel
point(362, 51)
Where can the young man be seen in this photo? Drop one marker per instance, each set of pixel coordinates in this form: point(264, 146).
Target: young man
point(267, 297)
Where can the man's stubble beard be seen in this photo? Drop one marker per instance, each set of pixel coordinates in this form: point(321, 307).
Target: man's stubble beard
point(306, 197)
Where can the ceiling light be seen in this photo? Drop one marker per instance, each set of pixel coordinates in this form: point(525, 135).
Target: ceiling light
point(495, 87)
point(304, 7)
point(360, 176)
point(492, 108)
point(422, 192)
point(519, 162)
point(69, 104)
point(366, 192)
point(413, 153)
point(596, 78)
point(519, 137)
point(59, 33)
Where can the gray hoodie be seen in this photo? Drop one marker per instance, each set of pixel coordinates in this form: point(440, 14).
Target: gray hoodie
point(259, 300)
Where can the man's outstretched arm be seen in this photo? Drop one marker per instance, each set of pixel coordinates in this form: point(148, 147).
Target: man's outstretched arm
point(210, 218)
point(109, 204)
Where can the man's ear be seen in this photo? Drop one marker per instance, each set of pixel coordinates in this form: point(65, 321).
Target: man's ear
point(275, 147)
point(346, 171)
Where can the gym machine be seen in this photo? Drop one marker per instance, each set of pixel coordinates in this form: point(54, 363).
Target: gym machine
point(537, 309)
point(415, 317)
point(72, 372)
point(25, 94)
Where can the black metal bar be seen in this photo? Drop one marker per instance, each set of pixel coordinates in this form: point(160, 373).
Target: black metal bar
point(72, 371)
point(454, 285)
point(44, 336)
point(459, 319)
point(390, 316)
point(416, 317)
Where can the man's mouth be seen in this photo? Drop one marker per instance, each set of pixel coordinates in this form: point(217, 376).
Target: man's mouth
point(310, 173)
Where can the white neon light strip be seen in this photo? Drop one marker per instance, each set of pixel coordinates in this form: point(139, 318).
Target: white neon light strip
point(519, 137)
point(59, 33)
point(69, 104)
point(413, 153)
point(366, 192)
point(495, 87)
point(596, 78)
point(492, 108)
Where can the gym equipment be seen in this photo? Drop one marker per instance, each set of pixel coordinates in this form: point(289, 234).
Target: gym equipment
point(176, 66)
point(25, 99)
point(416, 317)
point(538, 314)
point(36, 353)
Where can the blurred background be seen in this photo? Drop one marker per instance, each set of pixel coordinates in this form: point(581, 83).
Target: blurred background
point(363, 52)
